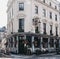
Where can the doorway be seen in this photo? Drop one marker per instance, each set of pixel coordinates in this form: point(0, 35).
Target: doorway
point(45, 42)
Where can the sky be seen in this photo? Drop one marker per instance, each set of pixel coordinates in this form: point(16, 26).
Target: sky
point(3, 14)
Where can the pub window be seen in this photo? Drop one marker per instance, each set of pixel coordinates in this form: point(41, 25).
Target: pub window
point(50, 4)
point(15, 42)
point(55, 7)
point(11, 42)
point(36, 42)
point(56, 31)
point(29, 41)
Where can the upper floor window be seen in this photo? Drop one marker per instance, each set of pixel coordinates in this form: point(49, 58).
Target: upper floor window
point(36, 9)
point(44, 1)
point(50, 4)
point(50, 15)
point(56, 31)
point(21, 6)
point(56, 17)
point(51, 29)
point(21, 25)
point(44, 12)
point(55, 7)
point(51, 42)
point(44, 28)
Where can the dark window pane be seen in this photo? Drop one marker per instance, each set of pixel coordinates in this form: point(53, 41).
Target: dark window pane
point(44, 1)
point(51, 42)
point(36, 42)
point(56, 31)
point(36, 9)
point(45, 42)
point(21, 6)
point(28, 38)
point(21, 25)
point(50, 15)
point(44, 28)
point(56, 17)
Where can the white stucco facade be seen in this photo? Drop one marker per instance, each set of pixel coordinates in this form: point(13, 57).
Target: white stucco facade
point(28, 14)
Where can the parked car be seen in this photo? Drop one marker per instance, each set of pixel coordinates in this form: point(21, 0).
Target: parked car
point(38, 52)
point(44, 50)
point(58, 50)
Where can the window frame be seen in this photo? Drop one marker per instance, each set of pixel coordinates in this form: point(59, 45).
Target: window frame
point(44, 12)
point(21, 26)
point(44, 1)
point(50, 15)
point(44, 28)
point(21, 6)
point(36, 9)
point(56, 17)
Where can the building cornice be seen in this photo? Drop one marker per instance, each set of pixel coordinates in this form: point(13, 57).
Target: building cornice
point(45, 4)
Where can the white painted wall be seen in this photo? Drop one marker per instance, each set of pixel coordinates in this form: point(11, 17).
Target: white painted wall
point(29, 14)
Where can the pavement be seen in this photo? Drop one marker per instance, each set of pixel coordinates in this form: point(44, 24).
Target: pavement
point(20, 56)
point(43, 56)
point(2, 55)
point(26, 56)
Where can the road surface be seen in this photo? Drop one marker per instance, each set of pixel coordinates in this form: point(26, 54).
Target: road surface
point(32, 57)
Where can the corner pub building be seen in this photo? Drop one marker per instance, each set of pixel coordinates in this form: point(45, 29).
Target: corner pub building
point(33, 25)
